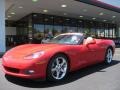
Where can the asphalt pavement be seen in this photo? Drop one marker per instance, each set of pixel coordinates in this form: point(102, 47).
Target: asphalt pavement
point(97, 77)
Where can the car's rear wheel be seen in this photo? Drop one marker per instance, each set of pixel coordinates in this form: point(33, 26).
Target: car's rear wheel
point(108, 56)
point(57, 68)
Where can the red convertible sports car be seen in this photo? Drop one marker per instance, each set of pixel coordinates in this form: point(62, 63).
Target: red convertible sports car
point(55, 58)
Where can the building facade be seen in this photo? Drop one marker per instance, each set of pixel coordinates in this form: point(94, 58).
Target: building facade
point(35, 26)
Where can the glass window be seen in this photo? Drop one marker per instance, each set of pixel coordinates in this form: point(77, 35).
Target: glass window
point(38, 19)
point(58, 21)
point(57, 30)
point(80, 29)
point(93, 32)
point(114, 33)
point(36, 25)
point(106, 32)
point(48, 28)
point(67, 29)
point(101, 32)
point(48, 19)
point(38, 28)
point(80, 26)
point(110, 33)
point(49, 31)
point(73, 29)
point(38, 33)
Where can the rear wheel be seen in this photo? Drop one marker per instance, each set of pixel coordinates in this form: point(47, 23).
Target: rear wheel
point(57, 68)
point(108, 56)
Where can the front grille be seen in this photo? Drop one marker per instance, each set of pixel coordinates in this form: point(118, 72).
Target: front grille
point(13, 70)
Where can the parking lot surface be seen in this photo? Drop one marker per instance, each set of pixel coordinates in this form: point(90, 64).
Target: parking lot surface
point(97, 77)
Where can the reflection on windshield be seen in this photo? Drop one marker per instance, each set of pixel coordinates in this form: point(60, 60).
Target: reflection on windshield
point(66, 39)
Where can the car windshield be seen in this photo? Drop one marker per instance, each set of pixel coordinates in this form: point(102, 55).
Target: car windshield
point(67, 39)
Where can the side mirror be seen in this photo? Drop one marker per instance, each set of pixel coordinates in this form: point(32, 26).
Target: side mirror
point(89, 40)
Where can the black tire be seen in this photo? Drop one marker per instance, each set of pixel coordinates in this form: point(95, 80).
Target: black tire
point(54, 68)
point(108, 56)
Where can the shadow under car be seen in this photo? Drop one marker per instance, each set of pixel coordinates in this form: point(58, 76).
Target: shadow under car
point(73, 76)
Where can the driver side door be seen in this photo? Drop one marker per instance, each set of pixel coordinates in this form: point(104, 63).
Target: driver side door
point(82, 55)
point(91, 51)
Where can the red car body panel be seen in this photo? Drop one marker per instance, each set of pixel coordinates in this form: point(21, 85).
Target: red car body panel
point(79, 56)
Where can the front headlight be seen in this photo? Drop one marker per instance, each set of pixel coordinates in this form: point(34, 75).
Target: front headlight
point(34, 55)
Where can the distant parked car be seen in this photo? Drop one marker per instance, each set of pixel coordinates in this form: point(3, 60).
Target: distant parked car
point(55, 58)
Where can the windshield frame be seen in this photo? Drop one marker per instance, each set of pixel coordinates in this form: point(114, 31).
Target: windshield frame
point(80, 41)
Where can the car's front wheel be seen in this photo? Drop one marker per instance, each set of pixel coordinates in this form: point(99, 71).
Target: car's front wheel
point(57, 68)
point(108, 56)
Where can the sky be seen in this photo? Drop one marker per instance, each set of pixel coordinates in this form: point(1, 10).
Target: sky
point(115, 3)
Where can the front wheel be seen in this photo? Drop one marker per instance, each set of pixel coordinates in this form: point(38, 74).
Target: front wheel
point(58, 68)
point(108, 56)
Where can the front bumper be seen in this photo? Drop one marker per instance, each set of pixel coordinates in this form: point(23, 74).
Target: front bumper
point(20, 69)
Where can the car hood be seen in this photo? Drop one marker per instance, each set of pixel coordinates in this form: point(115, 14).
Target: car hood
point(24, 50)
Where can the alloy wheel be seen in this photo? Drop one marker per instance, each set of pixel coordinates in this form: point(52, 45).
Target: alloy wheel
point(109, 56)
point(59, 68)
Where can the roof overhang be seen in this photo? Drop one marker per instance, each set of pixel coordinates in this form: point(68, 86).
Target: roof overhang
point(101, 4)
point(74, 9)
